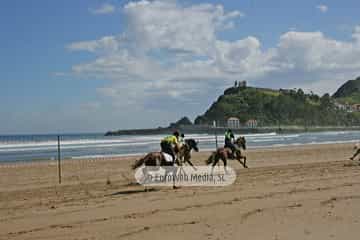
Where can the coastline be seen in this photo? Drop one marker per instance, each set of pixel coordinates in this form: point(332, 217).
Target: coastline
point(35, 148)
point(138, 155)
point(201, 129)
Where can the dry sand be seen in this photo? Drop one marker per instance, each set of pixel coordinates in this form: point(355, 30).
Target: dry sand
point(309, 192)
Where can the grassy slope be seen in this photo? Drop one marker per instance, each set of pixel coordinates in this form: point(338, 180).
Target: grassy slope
point(276, 106)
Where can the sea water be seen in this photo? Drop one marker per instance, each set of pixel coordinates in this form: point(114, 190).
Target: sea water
point(45, 147)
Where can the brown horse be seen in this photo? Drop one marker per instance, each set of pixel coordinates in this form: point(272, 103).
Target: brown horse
point(224, 153)
point(157, 158)
point(184, 154)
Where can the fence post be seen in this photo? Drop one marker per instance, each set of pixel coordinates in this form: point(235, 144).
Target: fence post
point(216, 140)
point(59, 159)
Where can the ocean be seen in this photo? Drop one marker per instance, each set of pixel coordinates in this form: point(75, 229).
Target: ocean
point(74, 146)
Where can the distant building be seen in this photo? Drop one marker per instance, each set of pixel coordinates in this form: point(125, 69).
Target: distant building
point(233, 122)
point(348, 107)
point(251, 123)
point(242, 84)
point(341, 106)
point(356, 107)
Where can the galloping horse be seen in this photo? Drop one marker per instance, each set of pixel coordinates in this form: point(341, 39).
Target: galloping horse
point(224, 153)
point(184, 154)
point(157, 158)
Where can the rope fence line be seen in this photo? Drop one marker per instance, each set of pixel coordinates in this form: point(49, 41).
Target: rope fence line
point(65, 159)
point(23, 164)
point(66, 155)
point(82, 153)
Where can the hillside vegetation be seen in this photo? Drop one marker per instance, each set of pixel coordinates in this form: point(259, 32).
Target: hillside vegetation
point(349, 92)
point(272, 107)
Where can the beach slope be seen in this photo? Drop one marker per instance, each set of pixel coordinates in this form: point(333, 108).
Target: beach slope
point(308, 192)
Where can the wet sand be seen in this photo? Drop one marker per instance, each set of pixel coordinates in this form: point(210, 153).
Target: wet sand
point(308, 192)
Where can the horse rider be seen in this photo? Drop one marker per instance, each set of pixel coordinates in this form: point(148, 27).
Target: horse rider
point(229, 139)
point(170, 144)
point(357, 148)
point(181, 145)
point(182, 139)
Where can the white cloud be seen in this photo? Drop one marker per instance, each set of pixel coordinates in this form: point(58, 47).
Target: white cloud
point(243, 58)
point(322, 8)
point(164, 41)
point(107, 43)
point(356, 34)
point(170, 55)
point(312, 51)
point(166, 24)
point(105, 8)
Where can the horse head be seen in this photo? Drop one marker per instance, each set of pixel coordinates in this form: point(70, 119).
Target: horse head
point(241, 142)
point(192, 144)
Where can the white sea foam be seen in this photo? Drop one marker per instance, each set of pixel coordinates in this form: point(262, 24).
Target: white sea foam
point(74, 146)
point(213, 149)
point(63, 142)
point(108, 155)
point(128, 145)
point(93, 143)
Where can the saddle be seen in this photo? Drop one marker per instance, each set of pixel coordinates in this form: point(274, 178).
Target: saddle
point(168, 158)
point(231, 153)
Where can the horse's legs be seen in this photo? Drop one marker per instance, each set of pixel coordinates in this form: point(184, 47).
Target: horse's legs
point(239, 156)
point(216, 160)
point(166, 176)
point(224, 161)
point(174, 175)
point(145, 177)
point(355, 154)
point(190, 163)
point(242, 162)
point(223, 158)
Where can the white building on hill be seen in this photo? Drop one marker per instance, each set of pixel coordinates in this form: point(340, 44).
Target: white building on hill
point(233, 122)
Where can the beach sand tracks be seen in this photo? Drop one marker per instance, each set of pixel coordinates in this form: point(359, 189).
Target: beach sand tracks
point(334, 200)
point(272, 196)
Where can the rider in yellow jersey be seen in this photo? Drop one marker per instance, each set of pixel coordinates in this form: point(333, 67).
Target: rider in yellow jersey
point(170, 144)
point(182, 139)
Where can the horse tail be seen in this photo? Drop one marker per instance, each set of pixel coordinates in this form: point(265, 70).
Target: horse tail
point(140, 162)
point(211, 158)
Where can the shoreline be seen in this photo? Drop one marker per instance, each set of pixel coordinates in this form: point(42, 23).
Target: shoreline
point(137, 155)
point(45, 149)
point(205, 129)
point(127, 157)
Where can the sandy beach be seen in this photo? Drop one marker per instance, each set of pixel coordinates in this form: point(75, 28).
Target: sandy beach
point(302, 192)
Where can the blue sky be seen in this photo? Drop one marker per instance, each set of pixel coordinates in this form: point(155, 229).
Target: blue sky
point(89, 66)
